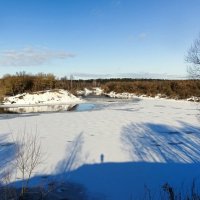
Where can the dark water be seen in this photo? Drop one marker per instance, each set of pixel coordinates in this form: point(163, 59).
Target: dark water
point(84, 107)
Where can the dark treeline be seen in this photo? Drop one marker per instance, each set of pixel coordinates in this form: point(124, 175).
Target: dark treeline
point(22, 82)
point(179, 89)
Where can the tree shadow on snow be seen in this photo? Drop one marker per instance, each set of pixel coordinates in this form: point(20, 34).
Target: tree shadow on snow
point(7, 154)
point(57, 185)
point(73, 158)
point(162, 143)
point(127, 180)
point(160, 154)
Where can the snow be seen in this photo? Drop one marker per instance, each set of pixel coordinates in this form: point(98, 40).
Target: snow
point(84, 92)
point(124, 95)
point(45, 97)
point(145, 143)
point(194, 99)
point(96, 91)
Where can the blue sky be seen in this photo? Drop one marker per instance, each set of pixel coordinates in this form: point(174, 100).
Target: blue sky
point(97, 36)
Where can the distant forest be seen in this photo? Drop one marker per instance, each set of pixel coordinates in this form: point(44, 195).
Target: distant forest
point(22, 82)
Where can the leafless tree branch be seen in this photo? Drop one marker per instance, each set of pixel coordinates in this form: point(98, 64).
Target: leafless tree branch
point(193, 59)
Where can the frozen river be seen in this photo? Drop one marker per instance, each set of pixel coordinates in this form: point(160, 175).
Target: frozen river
point(115, 148)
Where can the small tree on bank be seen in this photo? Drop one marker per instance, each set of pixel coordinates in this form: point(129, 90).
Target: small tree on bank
point(193, 58)
point(28, 157)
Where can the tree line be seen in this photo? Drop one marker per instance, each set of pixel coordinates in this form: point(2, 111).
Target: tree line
point(22, 82)
point(179, 89)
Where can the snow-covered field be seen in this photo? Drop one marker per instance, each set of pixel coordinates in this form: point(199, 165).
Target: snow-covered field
point(118, 152)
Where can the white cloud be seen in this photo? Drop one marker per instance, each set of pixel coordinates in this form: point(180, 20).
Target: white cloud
point(90, 76)
point(141, 75)
point(31, 56)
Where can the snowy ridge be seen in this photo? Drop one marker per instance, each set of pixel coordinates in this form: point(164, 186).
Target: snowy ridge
point(43, 97)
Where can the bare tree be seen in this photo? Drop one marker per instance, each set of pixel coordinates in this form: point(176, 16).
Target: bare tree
point(6, 191)
point(193, 58)
point(71, 81)
point(28, 157)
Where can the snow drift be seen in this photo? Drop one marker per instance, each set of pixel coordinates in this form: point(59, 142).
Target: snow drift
point(42, 97)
